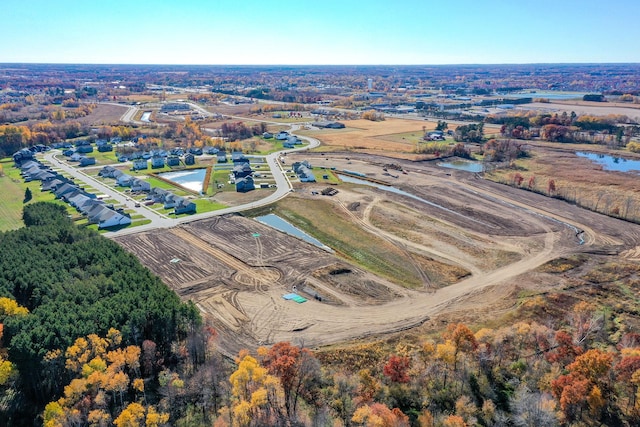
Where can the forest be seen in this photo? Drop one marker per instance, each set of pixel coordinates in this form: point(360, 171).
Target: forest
point(71, 282)
point(89, 337)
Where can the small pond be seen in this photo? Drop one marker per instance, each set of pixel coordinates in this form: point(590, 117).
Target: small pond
point(463, 165)
point(278, 223)
point(612, 163)
point(146, 116)
point(192, 179)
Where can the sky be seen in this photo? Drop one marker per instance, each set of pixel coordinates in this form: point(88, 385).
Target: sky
point(323, 32)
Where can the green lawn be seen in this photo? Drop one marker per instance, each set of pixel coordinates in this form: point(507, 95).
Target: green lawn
point(276, 146)
point(166, 186)
point(12, 196)
point(105, 158)
point(204, 205)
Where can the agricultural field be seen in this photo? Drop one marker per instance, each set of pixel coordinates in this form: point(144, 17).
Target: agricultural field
point(396, 138)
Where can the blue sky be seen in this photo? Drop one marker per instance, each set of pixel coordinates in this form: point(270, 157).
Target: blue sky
point(319, 32)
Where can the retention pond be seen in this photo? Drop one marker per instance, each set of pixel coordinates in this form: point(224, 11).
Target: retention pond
point(192, 179)
point(278, 223)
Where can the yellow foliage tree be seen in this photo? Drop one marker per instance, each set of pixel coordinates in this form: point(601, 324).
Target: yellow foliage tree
point(131, 416)
point(9, 307)
point(255, 392)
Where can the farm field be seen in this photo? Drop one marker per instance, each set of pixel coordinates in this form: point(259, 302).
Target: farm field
point(393, 137)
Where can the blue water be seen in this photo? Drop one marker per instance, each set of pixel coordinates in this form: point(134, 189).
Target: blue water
point(546, 95)
point(463, 166)
point(192, 179)
point(612, 163)
point(278, 223)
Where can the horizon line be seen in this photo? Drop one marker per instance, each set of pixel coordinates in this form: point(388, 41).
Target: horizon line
point(320, 65)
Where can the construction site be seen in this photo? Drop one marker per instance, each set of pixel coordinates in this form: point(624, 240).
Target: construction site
point(449, 243)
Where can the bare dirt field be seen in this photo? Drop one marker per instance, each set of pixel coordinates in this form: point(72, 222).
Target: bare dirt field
point(375, 137)
point(473, 243)
point(104, 114)
point(589, 108)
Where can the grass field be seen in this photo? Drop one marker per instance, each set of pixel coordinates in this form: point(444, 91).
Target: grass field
point(350, 241)
point(576, 180)
point(12, 196)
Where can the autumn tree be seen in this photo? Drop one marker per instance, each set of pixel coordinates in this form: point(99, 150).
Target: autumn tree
point(106, 379)
point(397, 369)
point(462, 340)
point(296, 368)
point(255, 393)
point(379, 415)
point(586, 386)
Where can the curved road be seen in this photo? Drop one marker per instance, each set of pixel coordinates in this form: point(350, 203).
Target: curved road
point(283, 187)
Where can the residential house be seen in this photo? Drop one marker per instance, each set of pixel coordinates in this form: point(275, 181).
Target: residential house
point(84, 149)
point(196, 151)
point(171, 201)
point(238, 157)
point(189, 159)
point(185, 207)
point(245, 184)
point(94, 209)
point(87, 161)
point(106, 218)
point(157, 162)
point(65, 188)
point(329, 125)
point(158, 195)
point(294, 140)
point(52, 184)
point(173, 161)
point(210, 150)
point(124, 180)
point(22, 156)
point(303, 170)
point(105, 148)
point(240, 170)
point(222, 156)
point(138, 184)
point(107, 172)
point(267, 135)
point(282, 135)
point(140, 164)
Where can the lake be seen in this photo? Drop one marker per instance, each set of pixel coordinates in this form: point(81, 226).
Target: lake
point(611, 163)
point(278, 223)
point(463, 165)
point(192, 179)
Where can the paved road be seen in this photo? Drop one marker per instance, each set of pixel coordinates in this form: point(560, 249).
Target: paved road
point(283, 185)
point(157, 220)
